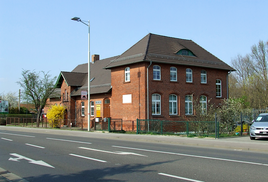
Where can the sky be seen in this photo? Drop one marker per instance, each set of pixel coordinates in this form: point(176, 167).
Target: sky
point(40, 35)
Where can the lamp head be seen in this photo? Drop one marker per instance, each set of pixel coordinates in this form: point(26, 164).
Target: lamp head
point(76, 19)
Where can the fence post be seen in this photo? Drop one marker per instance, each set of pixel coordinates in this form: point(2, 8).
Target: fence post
point(161, 127)
point(137, 126)
point(241, 120)
point(216, 131)
point(187, 128)
point(109, 123)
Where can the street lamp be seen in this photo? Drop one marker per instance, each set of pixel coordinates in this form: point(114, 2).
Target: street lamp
point(88, 77)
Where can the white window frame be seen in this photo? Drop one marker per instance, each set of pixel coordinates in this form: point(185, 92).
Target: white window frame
point(189, 105)
point(173, 104)
point(203, 77)
point(92, 113)
point(82, 108)
point(127, 74)
point(156, 72)
point(173, 74)
point(156, 104)
point(203, 104)
point(218, 88)
point(189, 75)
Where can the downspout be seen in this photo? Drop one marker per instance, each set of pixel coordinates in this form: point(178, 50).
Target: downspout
point(148, 91)
point(227, 82)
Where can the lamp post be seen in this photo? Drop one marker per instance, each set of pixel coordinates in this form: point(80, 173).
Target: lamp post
point(88, 92)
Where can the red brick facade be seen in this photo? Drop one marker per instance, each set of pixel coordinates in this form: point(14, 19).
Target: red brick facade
point(137, 87)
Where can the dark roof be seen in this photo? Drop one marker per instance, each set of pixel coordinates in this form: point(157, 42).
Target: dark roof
point(162, 49)
point(100, 77)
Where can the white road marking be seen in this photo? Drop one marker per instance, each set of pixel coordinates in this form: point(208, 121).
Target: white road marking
point(117, 152)
point(36, 146)
point(83, 157)
point(179, 177)
point(73, 141)
point(7, 139)
point(195, 156)
point(17, 134)
point(20, 157)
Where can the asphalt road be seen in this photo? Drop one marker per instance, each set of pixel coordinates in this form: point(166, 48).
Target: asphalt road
point(56, 155)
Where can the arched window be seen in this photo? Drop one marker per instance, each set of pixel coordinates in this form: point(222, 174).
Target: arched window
point(218, 88)
point(185, 52)
point(173, 105)
point(203, 104)
point(156, 104)
point(156, 72)
point(203, 77)
point(188, 105)
point(189, 75)
point(127, 74)
point(173, 74)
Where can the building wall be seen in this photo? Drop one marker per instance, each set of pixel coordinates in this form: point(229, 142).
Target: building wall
point(181, 88)
point(136, 87)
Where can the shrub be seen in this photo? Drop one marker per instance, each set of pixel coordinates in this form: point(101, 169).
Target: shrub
point(55, 115)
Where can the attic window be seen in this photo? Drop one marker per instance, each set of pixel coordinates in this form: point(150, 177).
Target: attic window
point(185, 52)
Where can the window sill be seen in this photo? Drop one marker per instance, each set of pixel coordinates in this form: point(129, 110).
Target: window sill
point(126, 82)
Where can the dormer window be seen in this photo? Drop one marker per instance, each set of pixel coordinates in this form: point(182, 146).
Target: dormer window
point(185, 52)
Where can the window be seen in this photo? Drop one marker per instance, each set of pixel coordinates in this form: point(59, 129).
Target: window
point(173, 74)
point(127, 74)
point(188, 105)
point(203, 76)
point(156, 104)
point(82, 109)
point(92, 108)
point(218, 88)
point(172, 104)
point(203, 104)
point(185, 52)
point(156, 72)
point(189, 75)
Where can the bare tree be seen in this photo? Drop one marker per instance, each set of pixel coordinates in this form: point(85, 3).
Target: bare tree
point(37, 88)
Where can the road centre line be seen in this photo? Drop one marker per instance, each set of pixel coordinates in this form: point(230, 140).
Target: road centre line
point(7, 139)
point(116, 152)
point(63, 140)
point(179, 177)
point(89, 158)
point(17, 135)
point(36, 146)
point(194, 156)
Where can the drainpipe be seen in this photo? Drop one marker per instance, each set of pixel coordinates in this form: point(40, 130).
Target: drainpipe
point(148, 92)
point(227, 82)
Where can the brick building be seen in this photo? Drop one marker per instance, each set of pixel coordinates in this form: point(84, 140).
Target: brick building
point(158, 77)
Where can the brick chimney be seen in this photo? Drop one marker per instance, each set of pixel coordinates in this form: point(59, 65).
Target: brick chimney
point(95, 57)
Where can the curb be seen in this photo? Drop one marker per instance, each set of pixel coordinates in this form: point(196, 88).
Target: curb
point(6, 176)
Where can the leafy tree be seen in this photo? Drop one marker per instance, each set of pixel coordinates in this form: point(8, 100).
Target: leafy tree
point(55, 115)
point(11, 98)
point(37, 88)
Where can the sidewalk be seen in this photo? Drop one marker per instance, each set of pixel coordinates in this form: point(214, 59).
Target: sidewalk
point(6, 176)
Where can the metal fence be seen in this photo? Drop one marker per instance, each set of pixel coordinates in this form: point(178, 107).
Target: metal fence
point(187, 128)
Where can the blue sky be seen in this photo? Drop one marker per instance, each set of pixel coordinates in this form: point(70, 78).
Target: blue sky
point(39, 34)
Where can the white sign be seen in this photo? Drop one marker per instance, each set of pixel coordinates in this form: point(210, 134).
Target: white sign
point(127, 98)
point(83, 94)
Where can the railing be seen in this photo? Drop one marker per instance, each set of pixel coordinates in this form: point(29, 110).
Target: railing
point(188, 128)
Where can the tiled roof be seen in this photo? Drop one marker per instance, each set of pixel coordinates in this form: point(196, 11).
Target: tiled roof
point(162, 49)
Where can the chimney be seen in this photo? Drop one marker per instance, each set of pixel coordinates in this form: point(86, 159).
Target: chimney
point(95, 57)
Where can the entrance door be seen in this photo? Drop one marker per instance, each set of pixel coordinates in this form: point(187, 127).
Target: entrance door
point(106, 108)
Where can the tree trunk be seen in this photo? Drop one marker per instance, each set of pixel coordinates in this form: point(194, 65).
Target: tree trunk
point(39, 114)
